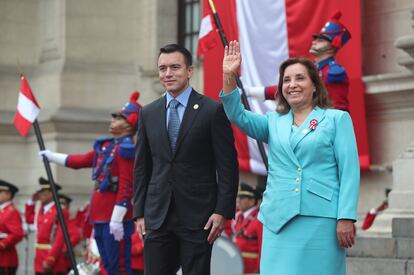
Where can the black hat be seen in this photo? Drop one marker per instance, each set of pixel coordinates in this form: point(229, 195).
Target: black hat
point(64, 198)
point(246, 190)
point(7, 186)
point(45, 185)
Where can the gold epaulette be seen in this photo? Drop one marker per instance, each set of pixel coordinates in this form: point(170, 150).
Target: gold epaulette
point(43, 246)
point(251, 255)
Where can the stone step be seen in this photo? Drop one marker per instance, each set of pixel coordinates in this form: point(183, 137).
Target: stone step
point(403, 228)
point(383, 247)
point(379, 266)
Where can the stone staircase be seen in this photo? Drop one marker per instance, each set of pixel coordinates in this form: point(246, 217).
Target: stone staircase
point(375, 254)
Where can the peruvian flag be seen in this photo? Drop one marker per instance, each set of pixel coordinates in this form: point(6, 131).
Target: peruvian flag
point(27, 109)
point(206, 36)
point(269, 32)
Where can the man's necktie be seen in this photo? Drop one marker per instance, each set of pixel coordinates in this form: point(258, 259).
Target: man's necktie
point(173, 123)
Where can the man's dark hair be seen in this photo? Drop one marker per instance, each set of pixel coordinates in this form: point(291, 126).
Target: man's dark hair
point(171, 48)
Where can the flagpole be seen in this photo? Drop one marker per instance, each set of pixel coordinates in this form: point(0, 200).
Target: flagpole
point(26, 250)
point(55, 197)
point(238, 81)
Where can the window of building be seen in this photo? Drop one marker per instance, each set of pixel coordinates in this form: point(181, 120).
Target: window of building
point(189, 18)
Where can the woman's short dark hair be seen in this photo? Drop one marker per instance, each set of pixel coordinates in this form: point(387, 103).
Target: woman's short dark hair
point(320, 97)
point(171, 48)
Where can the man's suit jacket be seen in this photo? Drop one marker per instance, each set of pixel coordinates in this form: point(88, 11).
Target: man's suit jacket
point(315, 172)
point(202, 174)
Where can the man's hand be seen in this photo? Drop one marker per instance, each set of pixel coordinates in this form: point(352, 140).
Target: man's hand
point(47, 267)
point(345, 232)
point(216, 223)
point(116, 229)
point(57, 158)
point(141, 227)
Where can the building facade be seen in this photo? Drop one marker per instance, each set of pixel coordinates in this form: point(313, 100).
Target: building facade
point(83, 59)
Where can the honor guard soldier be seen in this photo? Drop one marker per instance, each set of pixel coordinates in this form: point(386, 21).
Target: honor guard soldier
point(49, 256)
point(11, 230)
point(248, 229)
point(333, 36)
point(82, 221)
point(112, 160)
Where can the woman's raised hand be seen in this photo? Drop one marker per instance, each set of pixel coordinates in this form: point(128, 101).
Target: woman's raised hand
point(232, 58)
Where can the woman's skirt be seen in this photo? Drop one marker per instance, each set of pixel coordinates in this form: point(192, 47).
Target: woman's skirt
point(304, 246)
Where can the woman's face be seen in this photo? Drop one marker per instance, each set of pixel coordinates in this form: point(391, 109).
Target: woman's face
point(298, 88)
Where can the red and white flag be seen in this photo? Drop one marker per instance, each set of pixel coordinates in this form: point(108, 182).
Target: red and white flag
point(206, 36)
point(269, 32)
point(27, 109)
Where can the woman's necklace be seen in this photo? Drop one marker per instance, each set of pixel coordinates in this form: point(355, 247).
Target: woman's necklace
point(297, 123)
point(299, 118)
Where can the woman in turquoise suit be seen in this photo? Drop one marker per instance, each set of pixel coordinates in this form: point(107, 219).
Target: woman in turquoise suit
point(310, 203)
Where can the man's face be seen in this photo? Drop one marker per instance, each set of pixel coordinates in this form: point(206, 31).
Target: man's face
point(4, 196)
point(64, 204)
point(173, 72)
point(245, 203)
point(45, 196)
point(319, 45)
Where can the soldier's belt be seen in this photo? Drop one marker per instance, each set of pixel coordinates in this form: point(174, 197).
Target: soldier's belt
point(251, 255)
point(241, 234)
point(113, 187)
point(43, 246)
point(3, 235)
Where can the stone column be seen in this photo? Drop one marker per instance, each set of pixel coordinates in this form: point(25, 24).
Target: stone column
point(401, 198)
point(82, 60)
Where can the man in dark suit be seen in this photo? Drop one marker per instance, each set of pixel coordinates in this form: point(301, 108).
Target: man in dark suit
point(185, 174)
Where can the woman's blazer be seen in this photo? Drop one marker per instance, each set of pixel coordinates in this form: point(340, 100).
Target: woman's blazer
point(313, 173)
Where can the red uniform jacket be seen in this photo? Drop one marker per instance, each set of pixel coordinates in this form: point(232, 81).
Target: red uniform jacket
point(29, 213)
point(369, 220)
point(82, 221)
point(102, 203)
point(11, 232)
point(336, 82)
point(137, 252)
point(228, 228)
point(248, 237)
point(50, 243)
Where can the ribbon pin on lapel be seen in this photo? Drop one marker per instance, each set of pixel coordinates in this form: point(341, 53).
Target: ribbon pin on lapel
point(312, 124)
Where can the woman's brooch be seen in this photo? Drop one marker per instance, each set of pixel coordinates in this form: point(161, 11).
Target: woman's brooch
point(312, 124)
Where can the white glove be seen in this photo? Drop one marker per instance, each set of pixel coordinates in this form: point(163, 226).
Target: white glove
point(57, 158)
point(116, 229)
point(116, 226)
point(255, 92)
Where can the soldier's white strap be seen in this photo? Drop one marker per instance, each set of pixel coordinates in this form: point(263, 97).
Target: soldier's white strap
point(255, 92)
